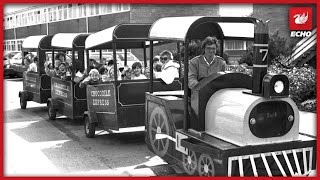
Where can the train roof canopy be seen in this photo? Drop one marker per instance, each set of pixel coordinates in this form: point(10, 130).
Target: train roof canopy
point(69, 40)
point(33, 43)
point(199, 27)
point(124, 35)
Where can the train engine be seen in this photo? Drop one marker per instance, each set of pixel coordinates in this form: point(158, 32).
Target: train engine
point(233, 125)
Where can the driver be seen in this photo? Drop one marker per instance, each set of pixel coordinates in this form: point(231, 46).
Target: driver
point(206, 64)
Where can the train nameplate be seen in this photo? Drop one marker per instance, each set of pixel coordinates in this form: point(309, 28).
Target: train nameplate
point(101, 98)
point(61, 90)
point(31, 82)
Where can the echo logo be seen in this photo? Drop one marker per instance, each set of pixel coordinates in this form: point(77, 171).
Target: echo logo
point(300, 21)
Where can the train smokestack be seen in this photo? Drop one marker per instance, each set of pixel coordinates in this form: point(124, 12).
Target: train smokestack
point(260, 55)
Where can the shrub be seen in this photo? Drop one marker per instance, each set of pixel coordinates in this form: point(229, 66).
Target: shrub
point(302, 85)
point(278, 48)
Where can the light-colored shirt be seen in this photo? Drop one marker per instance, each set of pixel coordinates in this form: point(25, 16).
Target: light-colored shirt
point(141, 76)
point(33, 67)
point(199, 68)
point(169, 72)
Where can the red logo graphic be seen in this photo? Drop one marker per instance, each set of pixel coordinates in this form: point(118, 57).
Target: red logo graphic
point(300, 18)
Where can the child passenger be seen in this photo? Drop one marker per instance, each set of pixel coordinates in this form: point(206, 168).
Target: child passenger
point(64, 71)
point(33, 67)
point(126, 73)
point(136, 68)
point(111, 74)
point(104, 74)
point(93, 78)
point(169, 69)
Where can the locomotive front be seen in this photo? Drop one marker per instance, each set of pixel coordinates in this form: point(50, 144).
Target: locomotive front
point(242, 118)
point(234, 124)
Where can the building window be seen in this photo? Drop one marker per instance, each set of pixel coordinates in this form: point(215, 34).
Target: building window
point(82, 10)
point(235, 45)
point(91, 9)
point(23, 19)
point(75, 11)
point(70, 11)
point(65, 12)
point(44, 16)
point(106, 8)
point(6, 21)
point(52, 14)
point(30, 18)
point(126, 7)
point(37, 17)
point(20, 45)
point(18, 20)
point(59, 12)
point(117, 7)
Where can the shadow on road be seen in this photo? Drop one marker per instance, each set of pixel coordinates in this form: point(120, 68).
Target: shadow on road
point(14, 79)
point(22, 115)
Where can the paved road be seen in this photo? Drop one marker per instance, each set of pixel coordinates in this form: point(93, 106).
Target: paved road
point(35, 145)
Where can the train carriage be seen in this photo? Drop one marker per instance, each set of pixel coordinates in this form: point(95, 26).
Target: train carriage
point(120, 103)
point(67, 97)
point(36, 85)
point(234, 124)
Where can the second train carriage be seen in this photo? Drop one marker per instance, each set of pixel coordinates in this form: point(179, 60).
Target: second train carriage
point(235, 124)
point(120, 103)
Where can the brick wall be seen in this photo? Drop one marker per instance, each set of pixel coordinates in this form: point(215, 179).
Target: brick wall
point(148, 13)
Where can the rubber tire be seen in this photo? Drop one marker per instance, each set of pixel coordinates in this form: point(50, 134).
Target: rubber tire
point(52, 113)
point(23, 103)
point(89, 128)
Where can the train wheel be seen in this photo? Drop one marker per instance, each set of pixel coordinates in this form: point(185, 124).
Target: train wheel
point(189, 162)
point(206, 166)
point(89, 128)
point(52, 112)
point(158, 124)
point(23, 103)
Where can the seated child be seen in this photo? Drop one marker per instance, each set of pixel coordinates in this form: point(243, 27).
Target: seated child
point(93, 78)
point(27, 60)
point(157, 69)
point(136, 68)
point(64, 72)
point(111, 74)
point(50, 70)
point(126, 73)
point(33, 66)
point(103, 71)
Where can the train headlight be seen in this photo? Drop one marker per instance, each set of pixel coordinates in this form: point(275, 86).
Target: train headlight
point(275, 85)
point(278, 86)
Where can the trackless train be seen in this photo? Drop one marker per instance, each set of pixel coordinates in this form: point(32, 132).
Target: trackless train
point(229, 124)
